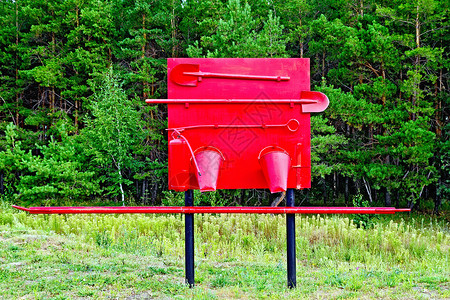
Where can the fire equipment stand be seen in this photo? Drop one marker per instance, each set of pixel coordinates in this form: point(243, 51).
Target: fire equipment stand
point(290, 241)
point(189, 239)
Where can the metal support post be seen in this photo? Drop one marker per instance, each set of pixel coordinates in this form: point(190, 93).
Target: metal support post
point(290, 237)
point(189, 239)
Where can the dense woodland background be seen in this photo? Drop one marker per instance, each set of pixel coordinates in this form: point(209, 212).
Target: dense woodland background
point(74, 74)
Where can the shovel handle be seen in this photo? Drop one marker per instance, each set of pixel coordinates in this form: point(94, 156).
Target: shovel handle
point(236, 76)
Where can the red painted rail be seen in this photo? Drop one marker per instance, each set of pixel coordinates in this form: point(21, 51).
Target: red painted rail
point(231, 101)
point(211, 210)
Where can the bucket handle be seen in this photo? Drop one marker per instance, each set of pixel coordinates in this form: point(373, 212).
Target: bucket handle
point(273, 147)
point(204, 148)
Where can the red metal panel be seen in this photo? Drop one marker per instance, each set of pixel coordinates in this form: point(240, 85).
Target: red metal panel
point(211, 210)
point(239, 107)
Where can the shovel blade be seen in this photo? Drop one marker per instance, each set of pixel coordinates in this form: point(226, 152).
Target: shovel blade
point(177, 74)
point(320, 105)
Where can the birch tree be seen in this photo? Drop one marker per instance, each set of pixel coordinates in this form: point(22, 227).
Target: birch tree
point(113, 131)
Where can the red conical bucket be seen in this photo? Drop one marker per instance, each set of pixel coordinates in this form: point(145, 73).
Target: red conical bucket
point(275, 163)
point(209, 162)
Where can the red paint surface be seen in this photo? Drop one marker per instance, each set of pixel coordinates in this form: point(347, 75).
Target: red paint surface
point(211, 210)
point(239, 117)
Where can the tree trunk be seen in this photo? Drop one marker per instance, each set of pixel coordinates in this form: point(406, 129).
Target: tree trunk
point(346, 190)
point(417, 33)
point(387, 198)
point(120, 184)
point(301, 49)
point(241, 199)
point(77, 20)
point(358, 186)
point(361, 6)
point(324, 192)
point(368, 190)
point(145, 190)
point(145, 83)
point(2, 187)
point(17, 64)
point(417, 203)
point(437, 199)
point(52, 99)
point(417, 62)
point(76, 115)
point(278, 199)
point(300, 41)
point(410, 204)
point(335, 187)
point(323, 64)
point(174, 29)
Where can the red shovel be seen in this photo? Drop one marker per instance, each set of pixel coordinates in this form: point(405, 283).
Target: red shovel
point(190, 75)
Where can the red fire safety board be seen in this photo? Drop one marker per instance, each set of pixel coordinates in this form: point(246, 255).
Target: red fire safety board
point(240, 123)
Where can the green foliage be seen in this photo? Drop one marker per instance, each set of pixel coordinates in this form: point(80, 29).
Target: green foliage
point(237, 35)
point(12, 158)
point(172, 198)
point(324, 146)
point(384, 66)
point(443, 165)
point(55, 175)
point(362, 220)
point(113, 132)
point(209, 199)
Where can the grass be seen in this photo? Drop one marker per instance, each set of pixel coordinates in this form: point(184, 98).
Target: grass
point(237, 256)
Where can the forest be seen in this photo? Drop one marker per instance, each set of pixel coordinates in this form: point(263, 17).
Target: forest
point(74, 74)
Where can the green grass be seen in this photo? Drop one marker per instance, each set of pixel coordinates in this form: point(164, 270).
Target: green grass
point(237, 256)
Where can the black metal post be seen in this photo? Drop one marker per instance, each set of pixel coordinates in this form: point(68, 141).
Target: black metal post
point(189, 239)
point(290, 238)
